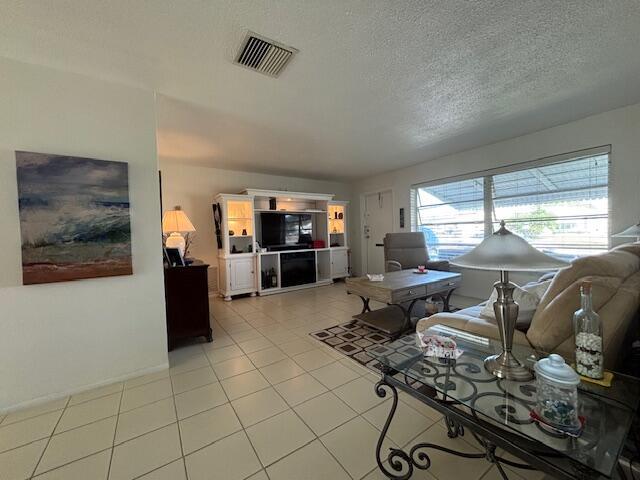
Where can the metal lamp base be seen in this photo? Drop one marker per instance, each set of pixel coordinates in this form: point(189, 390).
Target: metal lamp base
point(506, 366)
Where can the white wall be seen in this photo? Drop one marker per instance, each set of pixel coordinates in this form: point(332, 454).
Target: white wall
point(193, 188)
point(620, 128)
point(64, 337)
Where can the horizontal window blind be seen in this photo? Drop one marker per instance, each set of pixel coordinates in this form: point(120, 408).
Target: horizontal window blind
point(560, 207)
point(451, 216)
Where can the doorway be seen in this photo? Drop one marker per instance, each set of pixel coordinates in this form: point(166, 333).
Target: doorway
point(378, 221)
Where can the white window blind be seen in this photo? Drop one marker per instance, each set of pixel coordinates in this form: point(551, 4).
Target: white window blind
point(451, 216)
point(560, 207)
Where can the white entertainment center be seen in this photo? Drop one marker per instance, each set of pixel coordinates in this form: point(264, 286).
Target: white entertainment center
point(305, 241)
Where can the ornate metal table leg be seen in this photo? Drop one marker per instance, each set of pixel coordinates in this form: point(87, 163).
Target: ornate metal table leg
point(365, 304)
point(454, 429)
point(397, 458)
point(447, 307)
point(406, 312)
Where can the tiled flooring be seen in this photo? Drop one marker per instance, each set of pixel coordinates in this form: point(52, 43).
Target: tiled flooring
point(263, 401)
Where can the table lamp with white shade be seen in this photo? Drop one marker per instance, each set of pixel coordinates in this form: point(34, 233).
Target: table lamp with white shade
point(504, 251)
point(176, 223)
point(632, 232)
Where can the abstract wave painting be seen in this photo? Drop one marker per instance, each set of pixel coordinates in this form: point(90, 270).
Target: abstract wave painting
point(74, 217)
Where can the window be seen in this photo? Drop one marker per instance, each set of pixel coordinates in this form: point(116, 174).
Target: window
point(451, 216)
point(561, 207)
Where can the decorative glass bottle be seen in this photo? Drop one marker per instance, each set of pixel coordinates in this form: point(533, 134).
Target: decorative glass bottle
point(588, 337)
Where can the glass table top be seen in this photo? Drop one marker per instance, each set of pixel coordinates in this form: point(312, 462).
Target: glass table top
point(608, 412)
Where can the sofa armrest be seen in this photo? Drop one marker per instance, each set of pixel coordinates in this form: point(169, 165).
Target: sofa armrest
point(441, 265)
point(454, 320)
point(482, 327)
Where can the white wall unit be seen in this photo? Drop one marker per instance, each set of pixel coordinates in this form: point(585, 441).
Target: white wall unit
point(193, 186)
point(244, 271)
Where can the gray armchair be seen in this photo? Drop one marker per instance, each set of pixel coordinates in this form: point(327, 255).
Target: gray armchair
point(408, 250)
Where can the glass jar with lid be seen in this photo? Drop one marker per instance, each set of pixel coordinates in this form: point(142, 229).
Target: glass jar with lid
point(557, 393)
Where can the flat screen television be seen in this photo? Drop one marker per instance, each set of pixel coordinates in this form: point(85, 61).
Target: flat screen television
point(285, 230)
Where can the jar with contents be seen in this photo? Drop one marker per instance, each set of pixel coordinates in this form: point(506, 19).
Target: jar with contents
point(588, 337)
point(557, 393)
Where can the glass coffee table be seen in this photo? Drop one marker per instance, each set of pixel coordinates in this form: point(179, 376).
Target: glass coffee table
point(496, 412)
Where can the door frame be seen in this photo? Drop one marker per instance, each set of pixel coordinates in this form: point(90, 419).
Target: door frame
point(363, 241)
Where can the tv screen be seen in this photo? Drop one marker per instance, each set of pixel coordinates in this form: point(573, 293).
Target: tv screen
point(285, 229)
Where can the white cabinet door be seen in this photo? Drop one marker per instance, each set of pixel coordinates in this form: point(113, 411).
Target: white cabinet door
point(339, 263)
point(242, 274)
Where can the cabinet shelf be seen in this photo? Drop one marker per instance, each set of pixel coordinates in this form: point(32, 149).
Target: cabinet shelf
point(240, 236)
point(284, 212)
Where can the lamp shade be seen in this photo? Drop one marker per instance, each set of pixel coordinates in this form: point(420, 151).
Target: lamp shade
point(176, 221)
point(632, 232)
point(507, 251)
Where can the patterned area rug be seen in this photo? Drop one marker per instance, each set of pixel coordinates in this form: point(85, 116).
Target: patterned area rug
point(355, 340)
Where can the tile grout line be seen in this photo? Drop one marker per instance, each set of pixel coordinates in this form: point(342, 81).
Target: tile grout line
point(49, 439)
point(310, 429)
point(67, 405)
point(72, 462)
point(241, 425)
point(279, 413)
point(115, 432)
point(175, 411)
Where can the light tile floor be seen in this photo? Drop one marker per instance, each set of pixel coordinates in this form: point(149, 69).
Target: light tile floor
point(264, 401)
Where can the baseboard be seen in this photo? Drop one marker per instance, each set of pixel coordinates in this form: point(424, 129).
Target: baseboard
point(273, 291)
point(58, 395)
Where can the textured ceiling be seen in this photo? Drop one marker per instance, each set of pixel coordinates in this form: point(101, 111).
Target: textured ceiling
point(377, 84)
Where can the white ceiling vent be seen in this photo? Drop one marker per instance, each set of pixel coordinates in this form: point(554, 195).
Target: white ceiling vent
point(264, 55)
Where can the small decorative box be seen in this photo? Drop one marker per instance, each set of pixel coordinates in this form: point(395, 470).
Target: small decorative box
point(438, 346)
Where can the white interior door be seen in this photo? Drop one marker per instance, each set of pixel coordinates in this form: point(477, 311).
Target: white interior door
point(378, 221)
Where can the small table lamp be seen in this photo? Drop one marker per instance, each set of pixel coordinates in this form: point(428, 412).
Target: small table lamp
point(504, 251)
point(632, 232)
point(176, 223)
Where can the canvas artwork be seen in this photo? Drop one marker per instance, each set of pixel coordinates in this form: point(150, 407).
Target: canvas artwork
point(74, 217)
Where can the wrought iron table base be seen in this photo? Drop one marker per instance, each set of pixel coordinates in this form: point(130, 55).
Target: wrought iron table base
point(417, 457)
point(406, 311)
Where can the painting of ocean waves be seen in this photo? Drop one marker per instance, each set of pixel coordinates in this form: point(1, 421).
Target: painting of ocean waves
point(74, 217)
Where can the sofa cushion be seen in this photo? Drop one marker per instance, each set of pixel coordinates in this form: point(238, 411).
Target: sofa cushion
point(527, 297)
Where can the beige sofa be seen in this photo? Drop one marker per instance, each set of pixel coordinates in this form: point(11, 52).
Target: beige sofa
point(616, 297)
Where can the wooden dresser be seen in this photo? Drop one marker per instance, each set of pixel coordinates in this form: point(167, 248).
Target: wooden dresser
point(187, 298)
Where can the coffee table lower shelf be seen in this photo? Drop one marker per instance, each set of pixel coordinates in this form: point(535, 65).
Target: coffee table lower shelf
point(389, 320)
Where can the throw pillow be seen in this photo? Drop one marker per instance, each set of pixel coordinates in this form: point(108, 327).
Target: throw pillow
point(527, 297)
